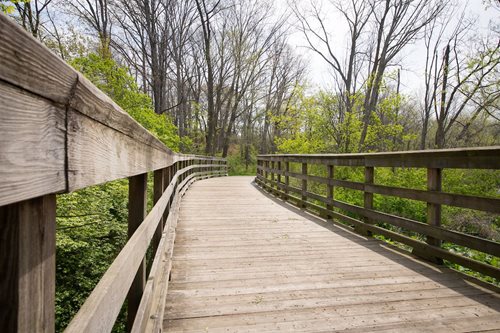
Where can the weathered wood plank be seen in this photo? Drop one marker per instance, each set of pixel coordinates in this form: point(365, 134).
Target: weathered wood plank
point(104, 142)
point(420, 247)
point(160, 270)
point(299, 276)
point(27, 263)
point(98, 153)
point(32, 146)
point(101, 308)
point(137, 206)
point(442, 198)
point(465, 158)
point(473, 242)
point(93, 103)
point(344, 318)
point(26, 63)
point(158, 188)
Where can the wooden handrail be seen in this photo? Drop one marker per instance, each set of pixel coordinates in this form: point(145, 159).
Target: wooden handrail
point(58, 134)
point(101, 308)
point(461, 158)
point(434, 161)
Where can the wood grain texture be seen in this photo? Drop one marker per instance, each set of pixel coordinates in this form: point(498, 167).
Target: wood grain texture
point(31, 146)
point(424, 250)
point(250, 263)
point(159, 277)
point(101, 308)
point(137, 207)
point(26, 63)
point(40, 95)
point(96, 105)
point(27, 263)
point(473, 242)
point(458, 200)
point(466, 158)
point(98, 153)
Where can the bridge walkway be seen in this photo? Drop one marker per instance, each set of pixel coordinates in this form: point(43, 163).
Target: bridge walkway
point(246, 262)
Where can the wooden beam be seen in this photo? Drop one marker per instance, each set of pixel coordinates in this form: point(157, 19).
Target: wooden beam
point(167, 178)
point(329, 189)
point(434, 177)
point(27, 265)
point(287, 178)
point(32, 134)
point(304, 184)
point(462, 158)
point(136, 213)
point(27, 63)
point(458, 200)
point(278, 175)
point(98, 153)
point(158, 188)
point(418, 246)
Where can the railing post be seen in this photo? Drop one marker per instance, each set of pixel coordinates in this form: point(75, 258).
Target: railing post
point(27, 265)
point(368, 200)
point(278, 174)
point(183, 163)
point(136, 213)
point(329, 189)
point(167, 178)
point(278, 187)
point(266, 171)
point(158, 188)
point(434, 178)
point(174, 170)
point(304, 185)
point(272, 176)
point(287, 179)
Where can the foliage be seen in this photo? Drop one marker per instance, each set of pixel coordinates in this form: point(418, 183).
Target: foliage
point(316, 124)
point(460, 181)
point(8, 6)
point(92, 223)
point(237, 162)
point(91, 230)
point(115, 81)
point(70, 45)
point(302, 128)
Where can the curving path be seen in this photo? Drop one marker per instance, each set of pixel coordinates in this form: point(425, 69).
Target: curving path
point(245, 262)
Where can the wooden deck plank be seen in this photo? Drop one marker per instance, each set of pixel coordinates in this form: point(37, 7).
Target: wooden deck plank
point(244, 262)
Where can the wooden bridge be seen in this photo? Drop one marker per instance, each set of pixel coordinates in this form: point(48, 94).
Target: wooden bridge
point(232, 254)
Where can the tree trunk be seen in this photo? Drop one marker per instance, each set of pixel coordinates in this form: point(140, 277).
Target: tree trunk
point(440, 134)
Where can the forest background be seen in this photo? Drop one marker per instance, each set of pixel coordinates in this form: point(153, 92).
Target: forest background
point(225, 78)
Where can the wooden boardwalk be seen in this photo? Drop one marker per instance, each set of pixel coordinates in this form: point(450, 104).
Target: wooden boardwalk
point(245, 262)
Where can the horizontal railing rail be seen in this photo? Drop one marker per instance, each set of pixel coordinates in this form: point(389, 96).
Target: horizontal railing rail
point(100, 310)
point(59, 133)
point(274, 174)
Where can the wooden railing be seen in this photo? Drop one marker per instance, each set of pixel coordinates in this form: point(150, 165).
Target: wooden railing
point(58, 134)
point(274, 173)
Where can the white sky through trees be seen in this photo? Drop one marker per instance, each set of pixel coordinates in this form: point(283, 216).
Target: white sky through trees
point(412, 57)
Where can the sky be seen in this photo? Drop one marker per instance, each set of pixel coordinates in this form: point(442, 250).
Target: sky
point(412, 57)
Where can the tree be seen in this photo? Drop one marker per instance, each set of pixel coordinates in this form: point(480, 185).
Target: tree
point(115, 81)
point(205, 15)
point(396, 24)
point(356, 15)
point(96, 15)
point(145, 33)
point(471, 85)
